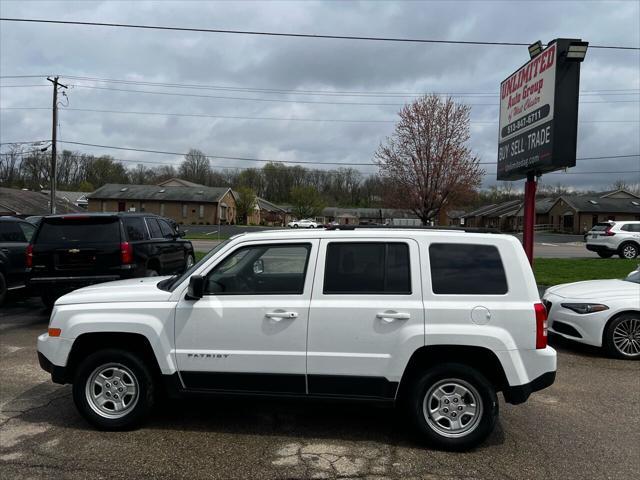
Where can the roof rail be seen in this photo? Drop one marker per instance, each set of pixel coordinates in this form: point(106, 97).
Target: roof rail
point(407, 227)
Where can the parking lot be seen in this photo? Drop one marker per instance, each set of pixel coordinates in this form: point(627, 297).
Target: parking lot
point(587, 425)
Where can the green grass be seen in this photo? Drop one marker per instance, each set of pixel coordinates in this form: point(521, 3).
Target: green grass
point(199, 255)
point(553, 271)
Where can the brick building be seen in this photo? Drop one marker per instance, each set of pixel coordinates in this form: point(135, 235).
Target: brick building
point(185, 202)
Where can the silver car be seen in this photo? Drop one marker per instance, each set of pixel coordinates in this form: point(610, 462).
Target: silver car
point(610, 238)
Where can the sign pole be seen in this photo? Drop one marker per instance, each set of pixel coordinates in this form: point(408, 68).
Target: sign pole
point(529, 215)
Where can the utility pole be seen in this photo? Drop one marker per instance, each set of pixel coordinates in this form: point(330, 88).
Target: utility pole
point(54, 135)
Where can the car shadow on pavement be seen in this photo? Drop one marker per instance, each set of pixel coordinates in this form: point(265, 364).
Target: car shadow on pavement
point(563, 344)
point(297, 419)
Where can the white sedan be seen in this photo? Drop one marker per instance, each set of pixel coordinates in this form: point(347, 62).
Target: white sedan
point(603, 313)
point(304, 223)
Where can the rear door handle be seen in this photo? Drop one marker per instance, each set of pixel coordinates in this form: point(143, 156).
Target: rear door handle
point(393, 316)
point(280, 315)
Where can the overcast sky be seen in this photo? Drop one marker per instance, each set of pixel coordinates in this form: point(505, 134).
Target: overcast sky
point(610, 121)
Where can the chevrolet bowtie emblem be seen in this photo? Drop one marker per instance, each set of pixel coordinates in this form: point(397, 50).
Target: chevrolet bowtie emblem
point(74, 250)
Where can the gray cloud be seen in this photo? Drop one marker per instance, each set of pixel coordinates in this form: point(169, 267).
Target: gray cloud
point(285, 63)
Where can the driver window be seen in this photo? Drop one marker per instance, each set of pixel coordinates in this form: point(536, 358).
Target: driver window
point(261, 270)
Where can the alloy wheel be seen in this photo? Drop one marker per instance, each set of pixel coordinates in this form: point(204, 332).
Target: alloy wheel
point(112, 391)
point(452, 408)
point(626, 337)
point(629, 251)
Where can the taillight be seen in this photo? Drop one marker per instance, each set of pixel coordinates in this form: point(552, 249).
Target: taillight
point(126, 252)
point(541, 325)
point(29, 259)
point(608, 232)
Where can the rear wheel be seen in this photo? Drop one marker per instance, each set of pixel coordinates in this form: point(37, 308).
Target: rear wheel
point(605, 254)
point(628, 250)
point(295, 225)
point(113, 389)
point(453, 406)
point(190, 261)
point(622, 337)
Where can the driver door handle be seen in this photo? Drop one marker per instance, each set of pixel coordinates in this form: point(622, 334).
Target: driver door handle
point(278, 316)
point(392, 316)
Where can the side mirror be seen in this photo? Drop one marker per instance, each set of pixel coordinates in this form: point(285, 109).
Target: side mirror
point(258, 266)
point(196, 287)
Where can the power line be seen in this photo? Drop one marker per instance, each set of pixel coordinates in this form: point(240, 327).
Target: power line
point(287, 119)
point(251, 159)
point(619, 91)
point(296, 35)
point(281, 100)
point(318, 92)
point(25, 143)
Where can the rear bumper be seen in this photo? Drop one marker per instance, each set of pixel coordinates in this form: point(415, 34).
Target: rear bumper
point(601, 248)
point(520, 393)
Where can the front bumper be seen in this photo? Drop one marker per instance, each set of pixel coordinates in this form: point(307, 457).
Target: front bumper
point(520, 393)
point(58, 374)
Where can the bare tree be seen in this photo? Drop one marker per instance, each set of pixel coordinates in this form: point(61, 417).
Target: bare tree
point(245, 203)
point(195, 166)
point(426, 161)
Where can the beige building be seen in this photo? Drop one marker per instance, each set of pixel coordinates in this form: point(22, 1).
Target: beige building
point(185, 202)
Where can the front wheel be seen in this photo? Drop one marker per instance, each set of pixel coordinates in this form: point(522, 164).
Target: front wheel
point(453, 406)
point(622, 337)
point(295, 225)
point(3, 288)
point(190, 262)
point(113, 389)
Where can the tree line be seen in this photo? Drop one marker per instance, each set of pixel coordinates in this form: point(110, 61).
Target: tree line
point(276, 182)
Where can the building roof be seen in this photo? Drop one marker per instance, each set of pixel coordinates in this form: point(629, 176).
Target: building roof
point(621, 193)
point(199, 194)
point(602, 205)
point(178, 182)
point(267, 205)
point(71, 197)
point(25, 203)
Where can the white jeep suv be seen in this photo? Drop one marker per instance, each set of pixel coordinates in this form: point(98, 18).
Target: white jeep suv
point(609, 238)
point(435, 321)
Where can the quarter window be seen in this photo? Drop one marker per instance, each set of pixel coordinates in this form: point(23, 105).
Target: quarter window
point(154, 228)
point(464, 269)
point(367, 268)
point(135, 228)
point(261, 270)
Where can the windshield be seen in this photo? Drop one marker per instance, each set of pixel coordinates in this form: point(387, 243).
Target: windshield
point(601, 227)
point(633, 276)
point(176, 280)
point(79, 230)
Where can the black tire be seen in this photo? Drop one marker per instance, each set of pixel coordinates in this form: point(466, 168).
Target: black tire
point(295, 225)
point(48, 299)
point(3, 288)
point(605, 254)
point(629, 322)
point(628, 250)
point(126, 361)
point(476, 384)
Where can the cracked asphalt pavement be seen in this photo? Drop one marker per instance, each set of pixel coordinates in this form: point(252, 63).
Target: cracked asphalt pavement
point(587, 425)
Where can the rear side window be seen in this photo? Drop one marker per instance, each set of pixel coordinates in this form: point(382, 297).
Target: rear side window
point(154, 228)
point(631, 227)
point(463, 269)
point(135, 228)
point(367, 268)
point(75, 230)
point(11, 232)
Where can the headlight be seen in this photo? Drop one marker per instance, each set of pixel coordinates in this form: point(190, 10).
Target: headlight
point(583, 308)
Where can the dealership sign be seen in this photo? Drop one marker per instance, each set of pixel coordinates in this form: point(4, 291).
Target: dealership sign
point(539, 115)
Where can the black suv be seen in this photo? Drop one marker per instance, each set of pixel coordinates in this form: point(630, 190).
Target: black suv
point(14, 238)
point(76, 250)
